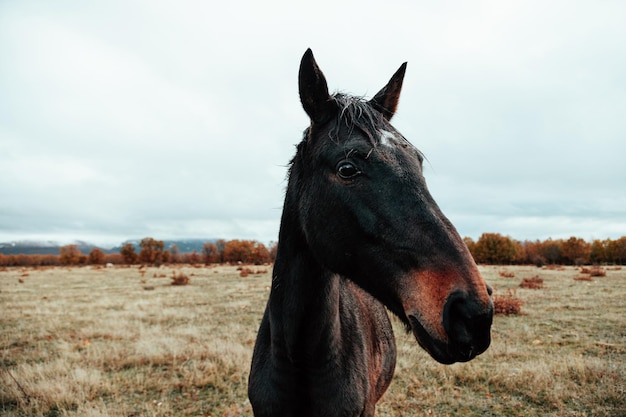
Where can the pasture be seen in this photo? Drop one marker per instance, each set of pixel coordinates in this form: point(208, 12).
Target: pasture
point(123, 341)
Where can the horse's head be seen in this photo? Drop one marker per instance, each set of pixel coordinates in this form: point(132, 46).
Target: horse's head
point(366, 213)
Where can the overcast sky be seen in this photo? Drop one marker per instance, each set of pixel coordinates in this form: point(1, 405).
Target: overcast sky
point(127, 119)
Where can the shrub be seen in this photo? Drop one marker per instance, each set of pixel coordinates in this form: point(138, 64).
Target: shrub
point(179, 278)
point(507, 274)
point(533, 283)
point(507, 304)
point(597, 272)
point(70, 255)
point(244, 272)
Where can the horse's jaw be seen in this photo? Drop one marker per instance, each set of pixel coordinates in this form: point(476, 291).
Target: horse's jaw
point(451, 324)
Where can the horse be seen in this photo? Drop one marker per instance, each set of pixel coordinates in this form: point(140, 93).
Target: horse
point(359, 235)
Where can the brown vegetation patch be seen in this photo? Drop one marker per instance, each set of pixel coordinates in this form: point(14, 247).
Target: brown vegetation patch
point(180, 278)
point(245, 271)
point(582, 278)
point(533, 283)
point(506, 274)
point(555, 267)
point(507, 304)
point(597, 272)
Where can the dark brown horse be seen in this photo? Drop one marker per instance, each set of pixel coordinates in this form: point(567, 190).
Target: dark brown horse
point(359, 232)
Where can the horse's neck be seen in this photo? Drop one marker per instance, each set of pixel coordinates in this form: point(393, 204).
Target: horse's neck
point(304, 306)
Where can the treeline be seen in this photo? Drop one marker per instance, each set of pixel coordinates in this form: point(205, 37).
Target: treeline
point(153, 252)
point(490, 248)
point(495, 249)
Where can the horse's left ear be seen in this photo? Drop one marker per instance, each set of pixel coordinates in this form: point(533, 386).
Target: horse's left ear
point(386, 100)
point(313, 88)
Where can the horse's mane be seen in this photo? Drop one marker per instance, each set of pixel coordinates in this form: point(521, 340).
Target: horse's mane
point(352, 111)
point(356, 112)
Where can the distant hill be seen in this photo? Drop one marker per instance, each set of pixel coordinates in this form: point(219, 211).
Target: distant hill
point(52, 248)
point(41, 248)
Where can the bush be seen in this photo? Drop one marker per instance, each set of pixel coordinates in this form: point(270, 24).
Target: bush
point(179, 278)
point(507, 304)
point(597, 272)
point(533, 283)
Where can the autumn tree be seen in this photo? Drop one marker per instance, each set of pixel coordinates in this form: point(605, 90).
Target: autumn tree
point(598, 251)
point(221, 244)
point(532, 253)
point(174, 254)
point(273, 250)
point(245, 251)
point(96, 257)
point(152, 251)
point(575, 251)
point(551, 251)
point(260, 254)
point(210, 254)
point(493, 248)
point(616, 251)
point(192, 258)
point(70, 255)
point(128, 253)
point(238, 251)
point(471, 245)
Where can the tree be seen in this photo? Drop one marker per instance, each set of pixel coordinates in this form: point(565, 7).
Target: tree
point(238, 251)
point(493, 248)
point(616, 250)
point(245, 251)
point(551, 250)
point(532, 252)
point(273, 250)
point(576, 251)
point(128, 253)
point(221, 244)
point(193, 258)
point(151, 251)
point(96, 257)
point(260, 254)
point(471, 245)
point(70, 255)
point(598, 251)
point(210, 254)
point(174, 254)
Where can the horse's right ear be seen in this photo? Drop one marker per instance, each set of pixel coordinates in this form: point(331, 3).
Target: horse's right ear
point(314, 95)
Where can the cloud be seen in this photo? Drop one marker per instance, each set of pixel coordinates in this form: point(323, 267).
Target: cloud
point(131, 119)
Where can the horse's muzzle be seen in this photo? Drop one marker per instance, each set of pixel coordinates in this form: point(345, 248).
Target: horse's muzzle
point(467, 323)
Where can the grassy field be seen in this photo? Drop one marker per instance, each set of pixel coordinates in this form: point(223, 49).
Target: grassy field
point(125, 342)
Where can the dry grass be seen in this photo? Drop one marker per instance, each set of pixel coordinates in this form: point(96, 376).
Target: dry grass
point(94, 342)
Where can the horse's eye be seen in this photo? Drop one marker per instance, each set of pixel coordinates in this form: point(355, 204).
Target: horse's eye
point(347, 170)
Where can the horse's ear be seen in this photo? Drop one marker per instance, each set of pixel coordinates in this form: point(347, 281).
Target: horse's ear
point(313, 89)
point(386, 100)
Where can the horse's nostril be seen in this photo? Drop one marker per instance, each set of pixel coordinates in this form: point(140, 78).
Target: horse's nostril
point(489, 290)
point(468, 326)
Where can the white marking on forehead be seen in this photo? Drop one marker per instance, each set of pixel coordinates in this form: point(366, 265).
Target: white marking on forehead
point(388, 139)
